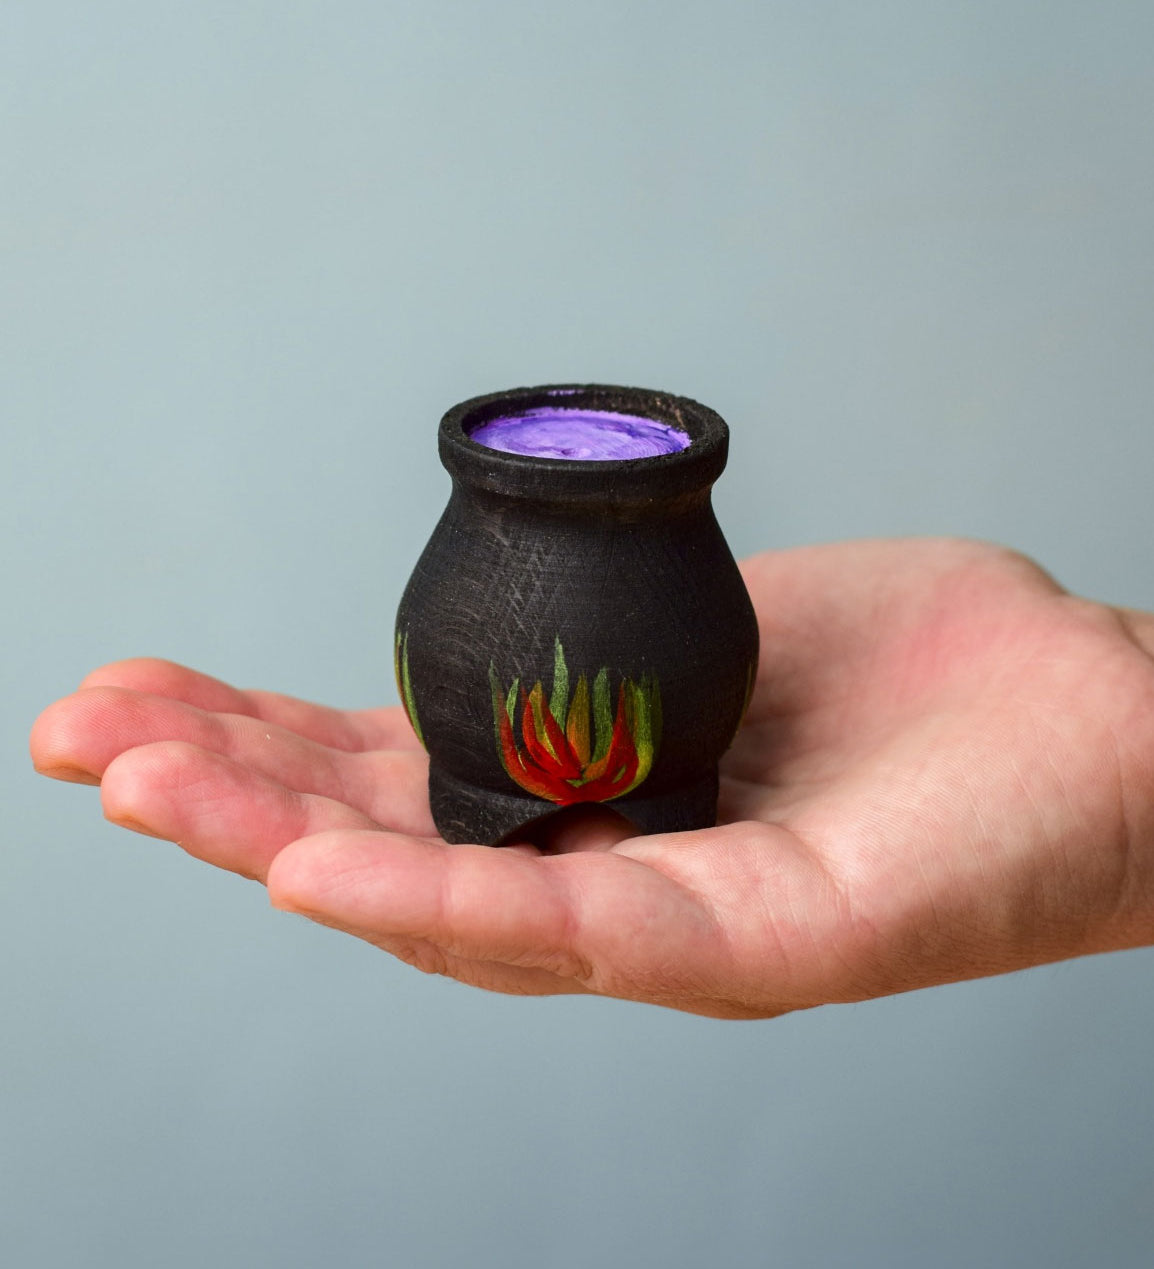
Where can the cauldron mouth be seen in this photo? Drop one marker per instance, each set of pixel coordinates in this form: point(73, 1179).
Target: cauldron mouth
point(689, 465)
point(576, 435)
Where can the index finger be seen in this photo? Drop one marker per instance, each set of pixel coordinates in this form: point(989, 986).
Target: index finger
point(351, 730)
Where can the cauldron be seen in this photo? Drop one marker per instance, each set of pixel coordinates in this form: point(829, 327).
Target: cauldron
point(576, 630)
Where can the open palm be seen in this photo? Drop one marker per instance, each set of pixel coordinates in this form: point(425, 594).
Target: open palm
point(947, 771)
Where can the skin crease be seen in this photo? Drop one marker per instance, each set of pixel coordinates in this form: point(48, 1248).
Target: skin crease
point(947, 771)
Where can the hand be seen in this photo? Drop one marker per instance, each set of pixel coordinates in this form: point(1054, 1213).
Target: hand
point(947, 771)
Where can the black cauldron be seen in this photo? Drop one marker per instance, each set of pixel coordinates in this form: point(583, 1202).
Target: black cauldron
point(576, 631)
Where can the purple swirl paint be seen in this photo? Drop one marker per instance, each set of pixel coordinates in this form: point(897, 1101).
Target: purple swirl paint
point(585, 435)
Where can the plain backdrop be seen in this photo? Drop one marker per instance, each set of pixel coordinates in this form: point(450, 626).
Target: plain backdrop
point(251, 252)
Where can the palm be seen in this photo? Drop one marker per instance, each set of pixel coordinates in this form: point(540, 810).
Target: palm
point(934, 782)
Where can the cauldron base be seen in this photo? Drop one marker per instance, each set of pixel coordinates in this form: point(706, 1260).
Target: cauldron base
point(465, 813)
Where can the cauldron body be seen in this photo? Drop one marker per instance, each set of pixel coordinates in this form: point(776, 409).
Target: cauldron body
point(576, 631)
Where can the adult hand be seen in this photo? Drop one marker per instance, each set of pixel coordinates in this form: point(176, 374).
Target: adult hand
point(947, 771)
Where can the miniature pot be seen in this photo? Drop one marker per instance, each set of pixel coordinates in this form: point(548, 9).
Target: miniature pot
point(576, 631)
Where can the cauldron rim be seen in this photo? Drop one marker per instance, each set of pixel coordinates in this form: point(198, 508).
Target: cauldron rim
point(660, 476)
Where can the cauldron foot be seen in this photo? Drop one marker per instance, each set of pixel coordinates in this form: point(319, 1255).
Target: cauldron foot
point(466, 813)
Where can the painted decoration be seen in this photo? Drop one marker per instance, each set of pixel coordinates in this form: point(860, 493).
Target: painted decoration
point(405, 682)
point(579, 746)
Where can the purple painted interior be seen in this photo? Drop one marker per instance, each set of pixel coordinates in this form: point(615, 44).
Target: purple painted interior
point(598, 435)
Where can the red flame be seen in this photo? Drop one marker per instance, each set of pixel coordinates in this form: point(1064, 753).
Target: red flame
point(550, 766)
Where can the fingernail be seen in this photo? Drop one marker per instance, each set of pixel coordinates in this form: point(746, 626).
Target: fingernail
point(74, 775)
point(126, 821)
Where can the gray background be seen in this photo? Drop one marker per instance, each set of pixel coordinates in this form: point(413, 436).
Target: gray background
point(251, 252)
